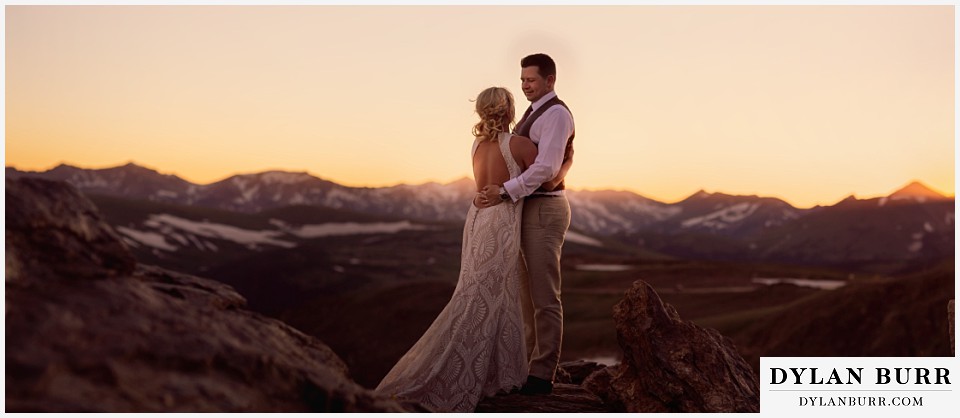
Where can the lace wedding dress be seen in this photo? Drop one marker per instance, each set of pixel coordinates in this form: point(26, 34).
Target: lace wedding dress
point(475, 347)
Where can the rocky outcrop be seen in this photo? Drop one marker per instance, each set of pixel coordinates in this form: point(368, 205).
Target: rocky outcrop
point(53, 231)
point(87, 330)
point(671, 365)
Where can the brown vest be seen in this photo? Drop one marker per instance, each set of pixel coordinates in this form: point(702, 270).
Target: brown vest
point(523, 129)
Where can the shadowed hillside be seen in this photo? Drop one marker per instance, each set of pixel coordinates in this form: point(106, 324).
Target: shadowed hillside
point(90, 330)
point(896, 317)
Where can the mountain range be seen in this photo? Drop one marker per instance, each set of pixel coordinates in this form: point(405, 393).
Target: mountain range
point(913, 224)
point(318, 256)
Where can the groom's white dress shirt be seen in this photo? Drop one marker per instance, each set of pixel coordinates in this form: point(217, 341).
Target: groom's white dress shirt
point(550, 132)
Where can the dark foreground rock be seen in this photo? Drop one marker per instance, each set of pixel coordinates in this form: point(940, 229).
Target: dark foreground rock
point(89, 331)
point(950, 316)
point(52, 231)
point(671, 365)
point(565, 398)
point(575, 372)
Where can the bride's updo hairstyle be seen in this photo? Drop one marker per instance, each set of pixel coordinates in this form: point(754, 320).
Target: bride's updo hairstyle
point(495, 108)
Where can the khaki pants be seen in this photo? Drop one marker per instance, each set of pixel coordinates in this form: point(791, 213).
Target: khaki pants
point(545, 221)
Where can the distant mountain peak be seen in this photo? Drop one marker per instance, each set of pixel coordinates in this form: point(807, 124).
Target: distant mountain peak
point(128, 167)
point(286, 176)
point(699, 194)
point(461, 182)
point(134, 167)
point(917, 191)
point(849, 199)
point(274, 177)
point(65, 167)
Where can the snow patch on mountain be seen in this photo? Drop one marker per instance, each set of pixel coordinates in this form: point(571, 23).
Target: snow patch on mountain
point(787, 215)
point(225, 232)
point(92, 182)
point(579, 238)
point(598, 216)
point(179, 238)
point(298, 199)
point(150, 239)
point(917, 243)
point(249, 193)
point(353, 228)
point(283, 177)
point(915, 246)
point(336, 198)
point(724, 217)
point(657, 212)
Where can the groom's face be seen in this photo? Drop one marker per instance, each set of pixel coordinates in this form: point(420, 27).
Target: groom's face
point(533, 84)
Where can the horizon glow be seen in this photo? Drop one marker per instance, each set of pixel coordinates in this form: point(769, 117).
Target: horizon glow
point(809, 104)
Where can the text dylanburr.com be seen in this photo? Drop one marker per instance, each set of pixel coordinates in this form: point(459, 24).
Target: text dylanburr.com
point(880, 386)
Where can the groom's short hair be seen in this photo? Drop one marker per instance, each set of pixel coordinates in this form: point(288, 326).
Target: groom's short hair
point(545, 65)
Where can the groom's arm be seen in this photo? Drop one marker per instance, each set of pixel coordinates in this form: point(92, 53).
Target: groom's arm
point(564, 169)
point(555, 127)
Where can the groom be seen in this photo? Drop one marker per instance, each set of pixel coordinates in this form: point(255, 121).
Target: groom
point(546, 217)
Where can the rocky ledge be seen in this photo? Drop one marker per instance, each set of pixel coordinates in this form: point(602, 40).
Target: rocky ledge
point(88, 330)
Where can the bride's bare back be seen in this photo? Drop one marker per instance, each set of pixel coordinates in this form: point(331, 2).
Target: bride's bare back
point(489, 166)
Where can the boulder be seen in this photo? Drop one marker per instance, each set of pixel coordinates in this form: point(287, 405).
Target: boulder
point(672, 365)
point(88, 330)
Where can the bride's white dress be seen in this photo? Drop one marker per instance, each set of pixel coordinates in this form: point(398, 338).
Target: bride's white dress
point(475, 347)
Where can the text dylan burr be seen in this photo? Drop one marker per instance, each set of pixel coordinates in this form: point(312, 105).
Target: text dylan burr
point(853, 376)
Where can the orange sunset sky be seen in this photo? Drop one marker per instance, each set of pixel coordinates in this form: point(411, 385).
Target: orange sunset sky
point(806, 103)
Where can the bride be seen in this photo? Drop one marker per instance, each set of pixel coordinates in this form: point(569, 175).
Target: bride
point(475, 347)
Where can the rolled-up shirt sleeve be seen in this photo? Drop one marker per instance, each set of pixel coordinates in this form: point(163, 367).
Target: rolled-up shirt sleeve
point(553, 128)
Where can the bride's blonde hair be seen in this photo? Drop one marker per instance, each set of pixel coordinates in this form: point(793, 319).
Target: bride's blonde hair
point(495, 108)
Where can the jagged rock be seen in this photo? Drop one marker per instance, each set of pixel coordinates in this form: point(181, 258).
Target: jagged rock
point(598, 383)
point(53, 231)
point(671, 365)
point(565, 398)
point(575, 372)
point(139, 338)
